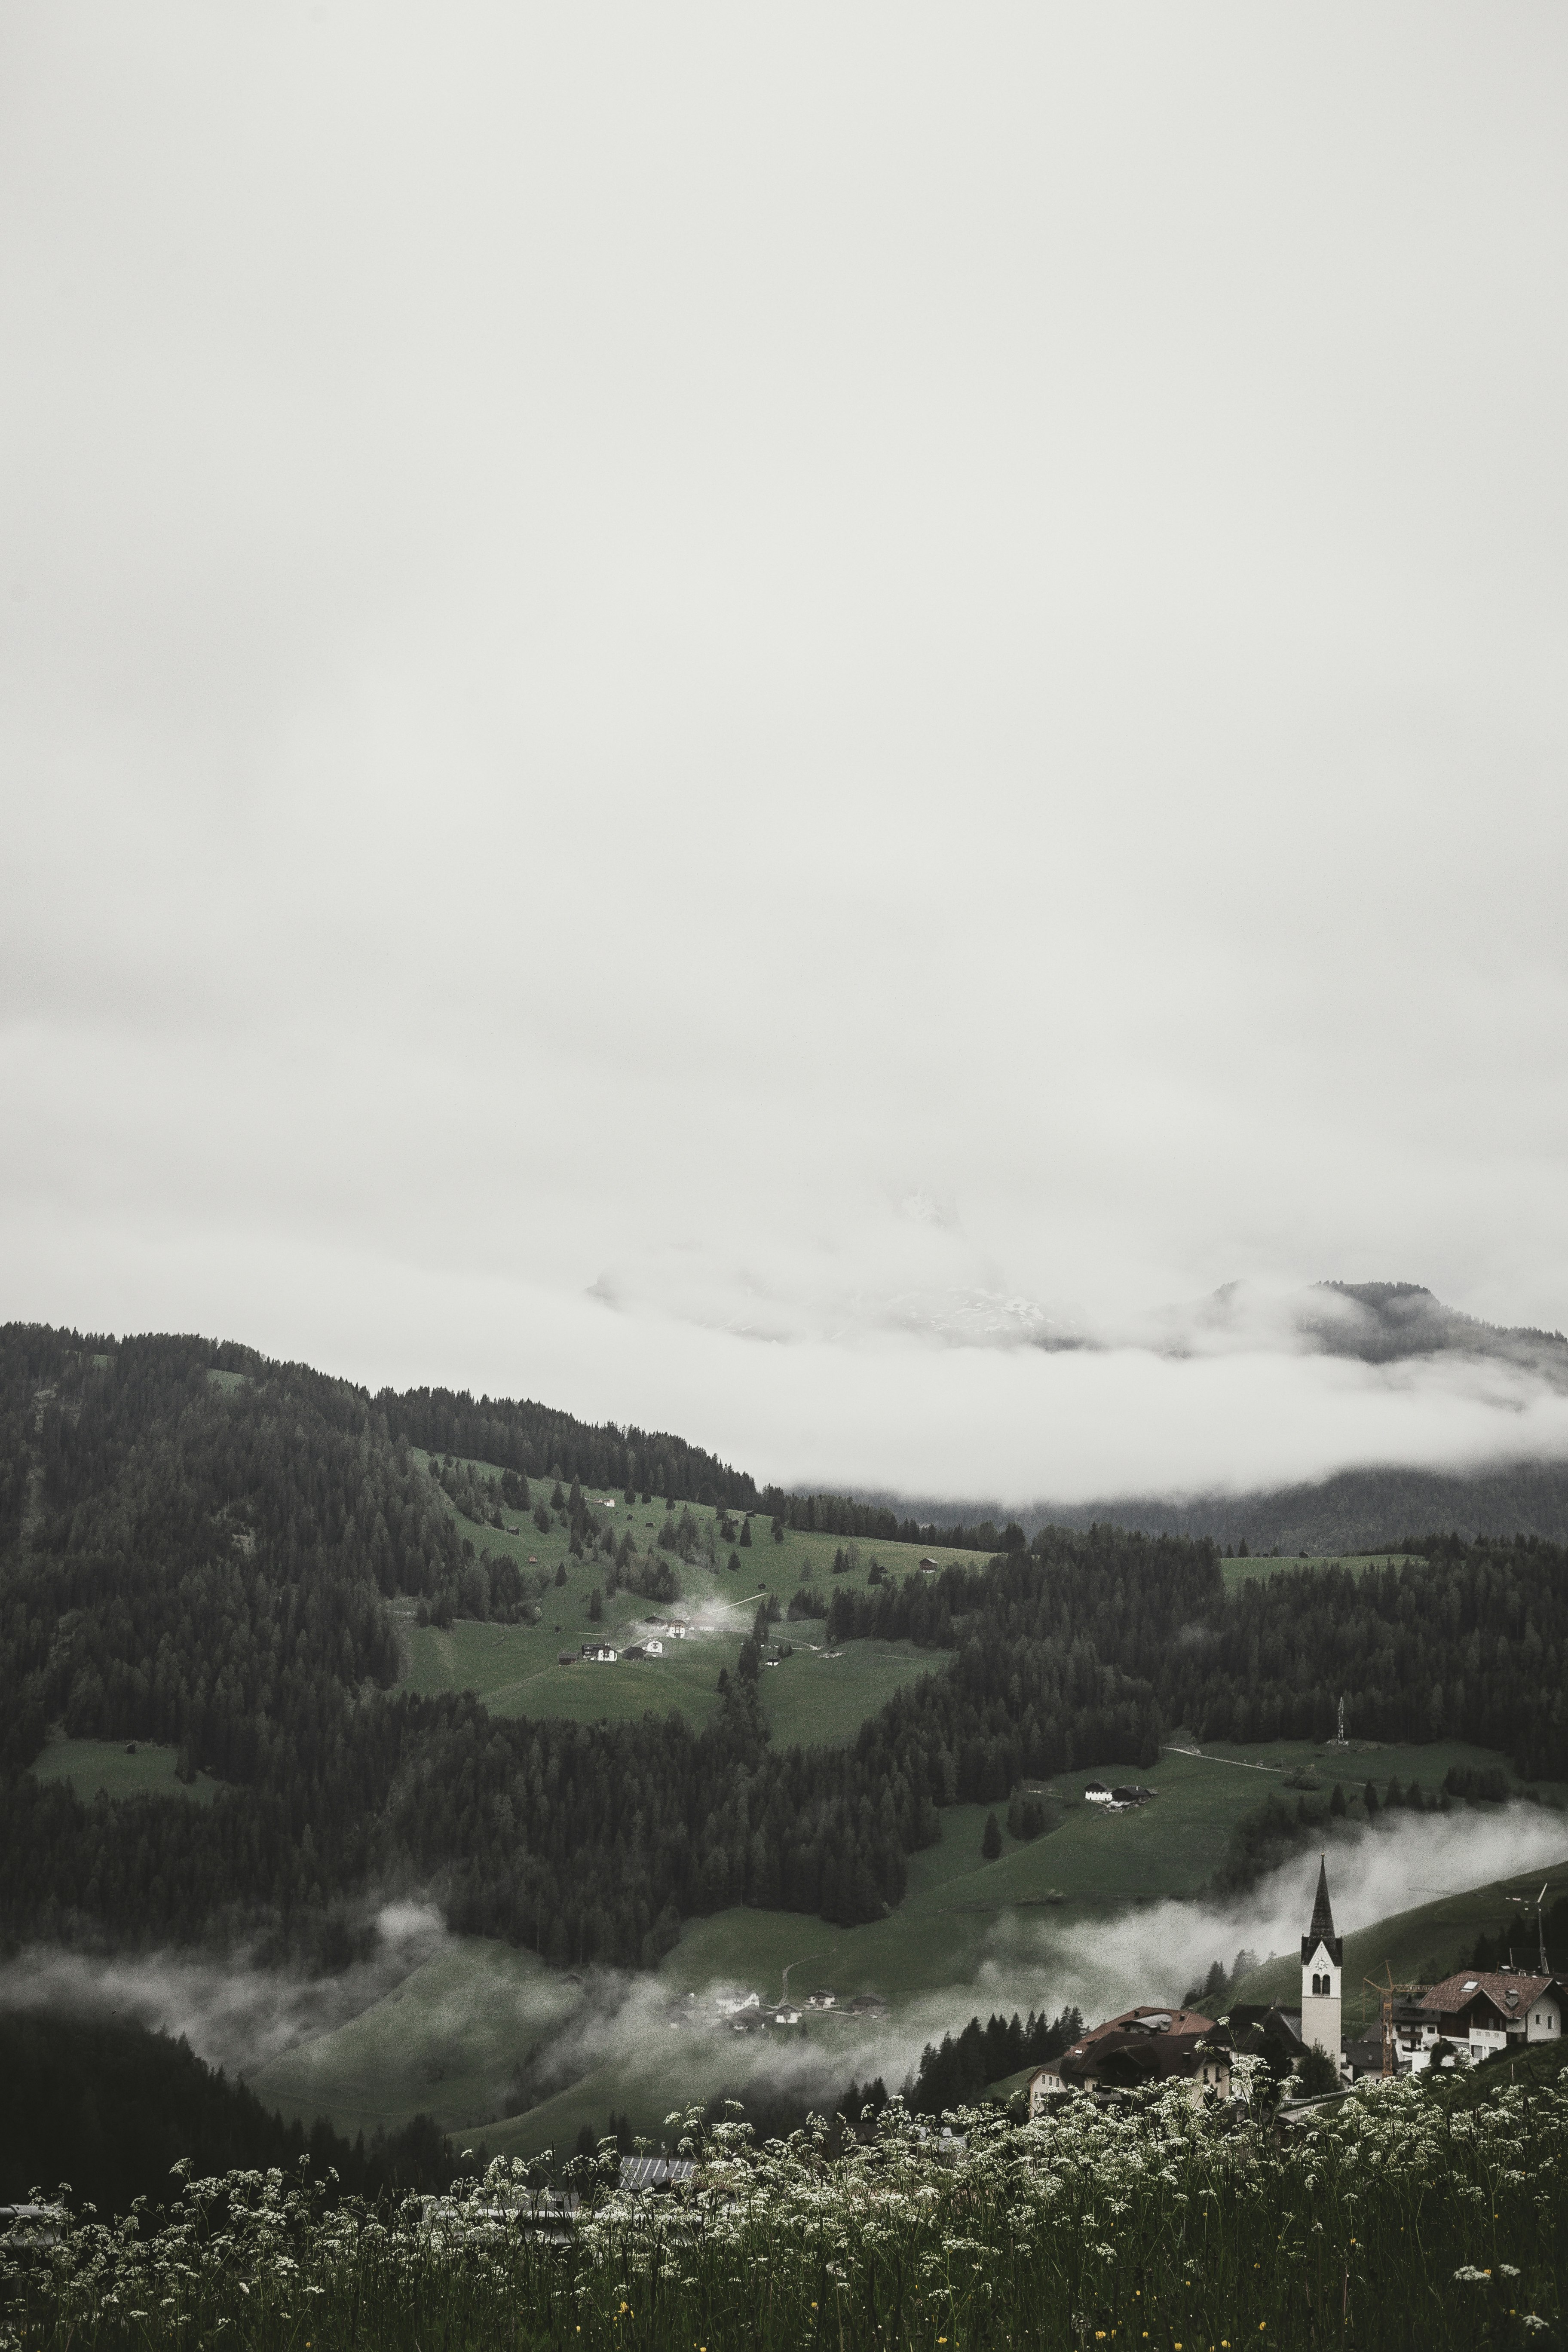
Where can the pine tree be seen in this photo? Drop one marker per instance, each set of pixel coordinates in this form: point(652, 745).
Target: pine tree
point(595, 1604)
point(990, 1844)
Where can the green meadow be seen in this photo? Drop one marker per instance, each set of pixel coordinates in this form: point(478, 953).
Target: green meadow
point(1247, 1572)
point(961, 1917)
point(142, 1769)
point(448, 2039)
point(814, 1696)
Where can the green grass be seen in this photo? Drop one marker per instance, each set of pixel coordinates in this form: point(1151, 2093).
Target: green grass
point(446, 2042)
point(1247, 1572)
point(813, 1697)
point(1419, 1947)
point(91, 1765)
point(960, 1913)
point(809, 1696)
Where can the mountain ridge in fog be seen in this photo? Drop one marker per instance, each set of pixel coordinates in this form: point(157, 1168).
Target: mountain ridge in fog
point(1365, 1510)
point(1368, 1322)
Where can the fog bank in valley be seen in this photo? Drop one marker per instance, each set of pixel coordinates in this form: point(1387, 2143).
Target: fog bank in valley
point(618, 2027)
point(233, 2013)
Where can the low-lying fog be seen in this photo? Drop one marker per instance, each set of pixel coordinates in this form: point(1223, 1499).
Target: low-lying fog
point(241, 2017)
point(233, 2014)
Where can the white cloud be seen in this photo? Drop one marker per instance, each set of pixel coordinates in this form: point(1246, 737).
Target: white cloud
point(629, 644)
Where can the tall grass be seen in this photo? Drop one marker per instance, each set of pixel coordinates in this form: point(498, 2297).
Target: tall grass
point(1404, 2217)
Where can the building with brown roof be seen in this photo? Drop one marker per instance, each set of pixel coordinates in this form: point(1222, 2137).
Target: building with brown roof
point(1146, 2046)
point(1479, 2011)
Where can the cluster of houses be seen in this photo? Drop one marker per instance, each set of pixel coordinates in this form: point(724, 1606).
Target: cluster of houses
point(661, 1630)
point(735, 2009)
point(1467, 2017)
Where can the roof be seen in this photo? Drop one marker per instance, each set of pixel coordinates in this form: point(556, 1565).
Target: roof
point(1508, 1991)
point(1253, 2023)
point(654, 2171)
point(1321, 1930)
point(1145, 2044)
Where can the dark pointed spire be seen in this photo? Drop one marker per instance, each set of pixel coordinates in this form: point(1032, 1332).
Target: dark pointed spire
point(1321, 1930)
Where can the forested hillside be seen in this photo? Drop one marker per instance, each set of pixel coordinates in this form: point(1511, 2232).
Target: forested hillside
point(201, 1547)
point(1355, 1511)
point(111, 2108)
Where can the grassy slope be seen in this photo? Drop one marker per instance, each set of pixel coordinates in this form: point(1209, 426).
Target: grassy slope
point(1246, 1571)
point(1419, 1946)
point(956, 1909)
point(93, 1764)
point(445, 2041)
point(809, 1697)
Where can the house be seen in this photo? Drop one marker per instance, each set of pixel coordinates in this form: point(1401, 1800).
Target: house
point(599, 1653)
point(653, 1647)
point(1120, 1800)
point(729, 2001)
point(566, 1657)
point(1264, 2030)
point(865, 2004)
point(635, 1649)
point(651, 2173)
point(786, 2014)
point(675, 1629)
point(1479, 2012)
point(1147, 2045)
point(928, 1568)
point(820, 2000)
point(1046, 2087)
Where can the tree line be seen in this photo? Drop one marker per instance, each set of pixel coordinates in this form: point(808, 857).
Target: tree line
point(111, 2108)
point(204, 1553)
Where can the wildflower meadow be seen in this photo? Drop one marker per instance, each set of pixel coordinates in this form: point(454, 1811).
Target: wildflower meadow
point(1404, 2216)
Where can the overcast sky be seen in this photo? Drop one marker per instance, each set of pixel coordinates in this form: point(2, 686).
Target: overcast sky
point(706, 711)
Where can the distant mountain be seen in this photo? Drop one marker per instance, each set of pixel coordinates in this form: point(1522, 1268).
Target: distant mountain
point(1355, 1510)
point(1373, 1322)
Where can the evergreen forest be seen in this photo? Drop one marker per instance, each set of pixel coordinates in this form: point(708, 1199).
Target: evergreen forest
point(199, 1546)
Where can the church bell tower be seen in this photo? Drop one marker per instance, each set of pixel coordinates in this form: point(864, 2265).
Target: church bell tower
point(1322, 1959)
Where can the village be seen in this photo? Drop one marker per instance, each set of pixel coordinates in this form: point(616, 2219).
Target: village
point(1465, 2019)
point(731, 2009)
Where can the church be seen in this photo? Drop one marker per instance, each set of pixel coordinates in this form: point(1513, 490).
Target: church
point(1323, 1970)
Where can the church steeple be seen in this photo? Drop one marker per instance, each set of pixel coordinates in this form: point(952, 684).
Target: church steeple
point(1320, 1935)
point(1322, 1961)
